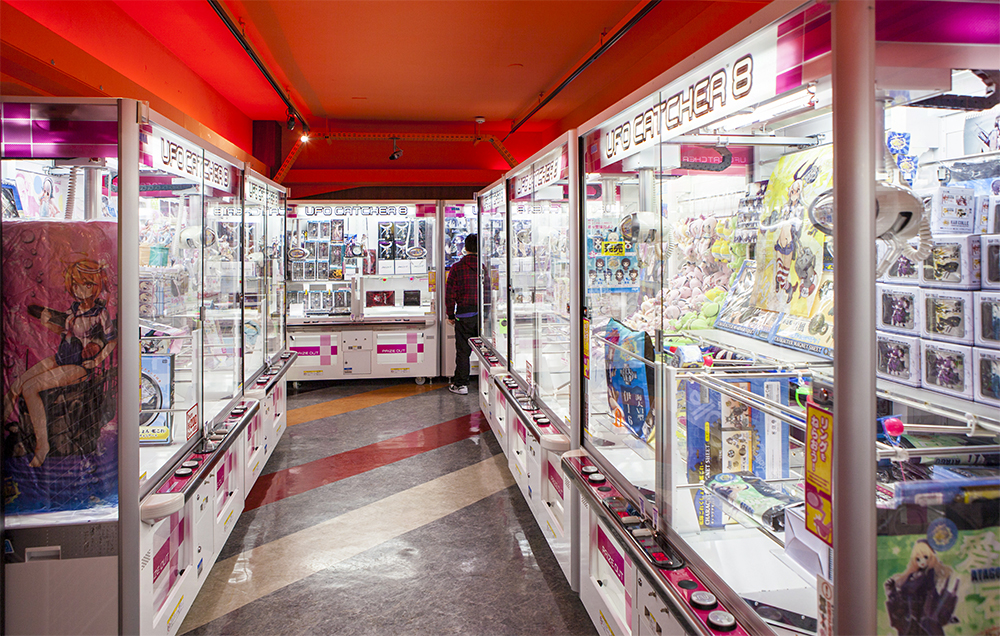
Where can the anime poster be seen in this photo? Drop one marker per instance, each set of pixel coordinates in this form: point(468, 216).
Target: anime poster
point(982, 132)
point(60, 366)
point(937, 569)
point(612, 263)
point(790, 249)
point(41, 195)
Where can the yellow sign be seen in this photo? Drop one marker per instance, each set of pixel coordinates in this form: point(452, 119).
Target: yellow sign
point(819, 472)
point(612, 248)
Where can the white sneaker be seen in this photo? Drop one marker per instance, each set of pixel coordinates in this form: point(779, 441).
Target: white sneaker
point(461, 390)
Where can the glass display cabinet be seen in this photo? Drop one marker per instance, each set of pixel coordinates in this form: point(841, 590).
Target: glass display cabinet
point(493, 264)
point(539, 214)
point(127, 262)
point(460, 220)
point(361, 289)
point(525, 382)
point(729, 447)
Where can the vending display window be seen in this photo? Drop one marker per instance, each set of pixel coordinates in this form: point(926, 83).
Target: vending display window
point(710, 390)
point(493, 265)
point(539, 217)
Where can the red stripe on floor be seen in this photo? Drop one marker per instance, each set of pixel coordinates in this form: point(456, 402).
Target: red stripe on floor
point(299, 479)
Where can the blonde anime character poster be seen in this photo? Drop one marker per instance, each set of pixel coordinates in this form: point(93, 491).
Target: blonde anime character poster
point(789, 247)
point(60, 365)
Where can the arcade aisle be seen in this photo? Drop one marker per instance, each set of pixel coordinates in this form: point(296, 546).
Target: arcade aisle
point(383, 512)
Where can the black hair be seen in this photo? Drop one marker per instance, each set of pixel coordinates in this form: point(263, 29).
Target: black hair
point(472, 243)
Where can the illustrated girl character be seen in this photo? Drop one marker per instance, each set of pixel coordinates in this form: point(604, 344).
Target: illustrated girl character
point(46, 206)
point(785, 247)
point(922, 599)
point(88, 335)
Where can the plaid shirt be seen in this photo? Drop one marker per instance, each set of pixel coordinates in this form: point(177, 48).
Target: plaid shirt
point(462, 289)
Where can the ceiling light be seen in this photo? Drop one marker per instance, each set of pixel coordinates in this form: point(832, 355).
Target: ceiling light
point(291, 121)
point(787, 105)
point(304, 138)
point(396, 152)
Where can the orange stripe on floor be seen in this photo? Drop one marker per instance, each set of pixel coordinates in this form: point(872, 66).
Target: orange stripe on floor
point(360, 401)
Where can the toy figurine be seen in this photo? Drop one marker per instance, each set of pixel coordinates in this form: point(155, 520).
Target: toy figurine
point(901, 312)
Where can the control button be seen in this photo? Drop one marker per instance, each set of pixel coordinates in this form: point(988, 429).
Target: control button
point(182, 472)
point(704, 600)
point(587, 470)
point(604, 489)
point(642, 532)
point(190, 464)
point(659, 557)
point(631, 519)
point(596, 478)
point(649, 543)
point(722, 621)
point(688, 584)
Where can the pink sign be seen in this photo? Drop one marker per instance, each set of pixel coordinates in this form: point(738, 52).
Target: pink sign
point(611, 554)
point(556, 479)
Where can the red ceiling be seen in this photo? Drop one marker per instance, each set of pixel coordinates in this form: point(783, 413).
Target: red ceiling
point(391, 66)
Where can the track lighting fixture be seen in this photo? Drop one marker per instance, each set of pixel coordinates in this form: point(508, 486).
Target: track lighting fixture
point(396, 152)
point(291, 122)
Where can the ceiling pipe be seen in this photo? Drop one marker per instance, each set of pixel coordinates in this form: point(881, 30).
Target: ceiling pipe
point(238, 34)
point(639, 15)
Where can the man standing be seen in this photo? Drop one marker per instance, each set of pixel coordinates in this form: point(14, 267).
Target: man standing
point(461, 301)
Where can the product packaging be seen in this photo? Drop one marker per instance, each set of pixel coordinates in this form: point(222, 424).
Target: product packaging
point(898, 358)
point(813, 334)
point(937, 566)
point(992, 225)
point(947, 368)
point(986, 306)
point(754, 497)
point(899, 309)
point(985, 205)
point(986, 375)
point(952, 210)
point(954, 263)
point(902, 272)
point(629, 378)
point(947, 315)
point(156, 393)
point(990, 261)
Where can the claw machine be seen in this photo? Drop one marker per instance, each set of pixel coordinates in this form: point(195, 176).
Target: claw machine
point(460, 220)
point(490, 348)
point(362, 289)
point(124, 249)
point(752, 450)
point(537, 388)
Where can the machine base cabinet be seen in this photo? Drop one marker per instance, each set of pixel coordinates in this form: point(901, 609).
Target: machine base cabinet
point(377, 351)
point(608, 583)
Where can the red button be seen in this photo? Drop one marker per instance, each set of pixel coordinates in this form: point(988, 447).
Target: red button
point(659, 556)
